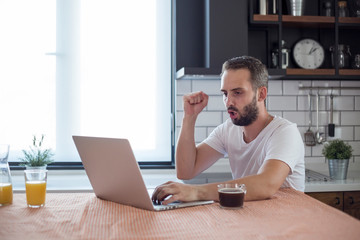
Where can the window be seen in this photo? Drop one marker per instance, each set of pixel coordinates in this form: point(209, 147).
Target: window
point(90, 67)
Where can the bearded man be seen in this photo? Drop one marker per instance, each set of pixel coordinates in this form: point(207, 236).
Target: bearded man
point(265, 152)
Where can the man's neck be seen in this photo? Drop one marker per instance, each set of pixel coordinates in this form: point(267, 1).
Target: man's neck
point(253, 130)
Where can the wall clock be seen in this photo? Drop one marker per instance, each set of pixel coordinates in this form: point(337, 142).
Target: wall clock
point(308, 54)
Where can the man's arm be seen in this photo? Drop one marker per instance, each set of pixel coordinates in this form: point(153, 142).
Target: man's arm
point(191, 159)
point(261, 186)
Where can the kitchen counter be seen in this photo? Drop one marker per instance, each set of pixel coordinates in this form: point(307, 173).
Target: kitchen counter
point(77, 181)
point(352, 183)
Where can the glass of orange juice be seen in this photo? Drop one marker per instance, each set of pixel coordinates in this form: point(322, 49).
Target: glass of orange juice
point(6, 192)
point(35, 185)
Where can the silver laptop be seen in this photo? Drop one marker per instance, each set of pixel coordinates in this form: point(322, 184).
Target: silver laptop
point(114, 173)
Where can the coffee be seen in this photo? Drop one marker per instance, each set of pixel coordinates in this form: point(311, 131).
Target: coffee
point(231, 197)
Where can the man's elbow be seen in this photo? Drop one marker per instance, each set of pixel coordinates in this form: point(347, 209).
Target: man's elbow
point(183, 176)
point(265, 192)
point(270, 189)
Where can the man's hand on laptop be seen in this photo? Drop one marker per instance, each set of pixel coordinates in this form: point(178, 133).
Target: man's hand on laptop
point(172, 191)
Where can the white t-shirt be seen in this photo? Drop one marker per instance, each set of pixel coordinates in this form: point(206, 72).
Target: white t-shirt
point(279, 140)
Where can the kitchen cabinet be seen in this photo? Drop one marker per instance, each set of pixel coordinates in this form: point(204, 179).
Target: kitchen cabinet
point(208, 33)
point(266, 33)
point(352, 203)
point(349, 202)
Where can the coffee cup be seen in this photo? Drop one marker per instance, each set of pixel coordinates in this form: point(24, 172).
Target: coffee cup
point(231, 195)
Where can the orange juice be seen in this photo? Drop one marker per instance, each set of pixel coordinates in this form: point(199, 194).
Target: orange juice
point(6, 193)
point(35, 193)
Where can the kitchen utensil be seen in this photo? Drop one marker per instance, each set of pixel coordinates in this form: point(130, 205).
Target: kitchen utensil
point(309, 135)
point(318, 135)
point(296, 7)
point(331, 125)
point(311, 175)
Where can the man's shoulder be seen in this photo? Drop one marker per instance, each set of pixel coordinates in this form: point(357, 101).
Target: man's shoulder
point(283, 126)
point(280, 122)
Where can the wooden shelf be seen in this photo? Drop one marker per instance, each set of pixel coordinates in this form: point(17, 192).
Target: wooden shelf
point(349, 72)
point(354, 20)
point(266, 18)
point(301, 21)
point(300, 71)
point(308, 21)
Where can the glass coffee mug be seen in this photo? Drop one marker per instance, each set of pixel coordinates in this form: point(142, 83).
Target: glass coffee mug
point(231, 195)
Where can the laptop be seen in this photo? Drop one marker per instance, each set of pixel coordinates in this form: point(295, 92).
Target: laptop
point(114, 173)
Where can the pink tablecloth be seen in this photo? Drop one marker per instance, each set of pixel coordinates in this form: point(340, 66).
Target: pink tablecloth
point(288, 215)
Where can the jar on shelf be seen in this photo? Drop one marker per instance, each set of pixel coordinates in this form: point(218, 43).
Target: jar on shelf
point(284, 54)
point(328, 12)
point(343, 56)
point(263, 7)
point(356, 62)
point(343, 10)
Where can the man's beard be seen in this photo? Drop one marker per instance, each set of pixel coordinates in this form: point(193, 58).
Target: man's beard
point(249, 115)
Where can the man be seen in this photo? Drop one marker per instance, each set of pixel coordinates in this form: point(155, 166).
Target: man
point(265, 152)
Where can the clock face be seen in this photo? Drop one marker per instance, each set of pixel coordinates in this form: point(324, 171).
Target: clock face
point(308, 54)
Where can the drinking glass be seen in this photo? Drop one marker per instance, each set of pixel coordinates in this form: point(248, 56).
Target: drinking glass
point(35, 184)
point(231, 195)
point(6, 192)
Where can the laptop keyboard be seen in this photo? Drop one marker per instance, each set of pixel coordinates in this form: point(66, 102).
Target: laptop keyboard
point(157, 203)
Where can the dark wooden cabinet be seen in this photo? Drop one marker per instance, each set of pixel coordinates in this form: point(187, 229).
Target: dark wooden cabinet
point(352, 203)
point(348, 202)
point(267, 31)
point(334, 199)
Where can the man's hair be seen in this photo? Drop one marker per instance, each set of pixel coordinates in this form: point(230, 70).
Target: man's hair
point(258, 71)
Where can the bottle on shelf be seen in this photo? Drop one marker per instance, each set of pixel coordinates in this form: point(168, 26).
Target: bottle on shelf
point(273, 7)
point(343, 10)
point(328, 9)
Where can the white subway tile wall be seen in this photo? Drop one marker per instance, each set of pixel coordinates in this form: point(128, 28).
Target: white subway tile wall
point(286, 100)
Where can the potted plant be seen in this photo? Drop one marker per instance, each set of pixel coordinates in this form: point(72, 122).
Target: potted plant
point(37, 157)
point(338, 153)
